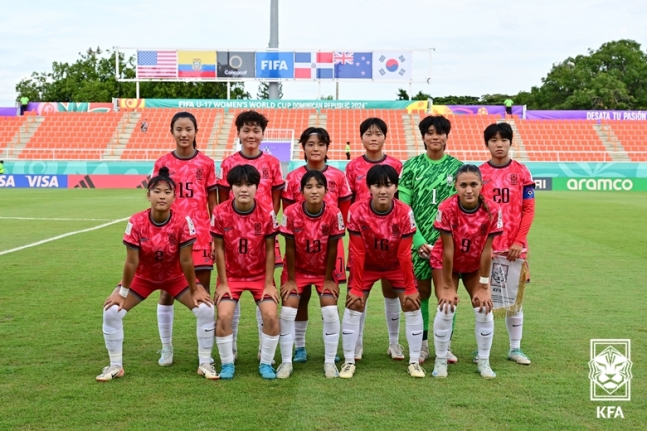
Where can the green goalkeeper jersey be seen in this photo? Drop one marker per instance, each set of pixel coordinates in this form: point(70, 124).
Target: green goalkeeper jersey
point(423, 185)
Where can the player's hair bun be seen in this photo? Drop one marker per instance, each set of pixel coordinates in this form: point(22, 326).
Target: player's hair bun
point(164, 172)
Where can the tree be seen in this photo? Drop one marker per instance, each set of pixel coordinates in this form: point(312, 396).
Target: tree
point(264, 90)
point(92, 79)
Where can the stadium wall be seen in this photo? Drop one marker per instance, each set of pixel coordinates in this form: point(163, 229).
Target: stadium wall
point(615, 176)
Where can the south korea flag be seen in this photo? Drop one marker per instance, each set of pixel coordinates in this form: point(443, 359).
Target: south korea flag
point(392, 65)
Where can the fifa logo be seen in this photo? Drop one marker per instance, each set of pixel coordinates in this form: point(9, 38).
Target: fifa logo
point(610, 370)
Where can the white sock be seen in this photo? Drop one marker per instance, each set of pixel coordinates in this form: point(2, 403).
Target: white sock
point(205, 330)
point(286, 340)
point(235, 319)
point(442, 331)
point(350, 332)
point(414, 334)
point(165, 314)
point(360, 337)
point(225, 349)
point(515, 329)
point(392, 314)
point(300, 328)
point(331, 325)
point(268, 348)
point(484, 330)
point(113, 334)
point(259, 324)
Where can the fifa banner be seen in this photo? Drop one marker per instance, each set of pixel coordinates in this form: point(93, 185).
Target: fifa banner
point(507, 285)
point(275, 65)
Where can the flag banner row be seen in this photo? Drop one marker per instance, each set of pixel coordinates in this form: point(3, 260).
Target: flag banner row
point(303, 65)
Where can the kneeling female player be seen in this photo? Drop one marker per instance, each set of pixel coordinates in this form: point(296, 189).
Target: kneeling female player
point(312, 230)
point(468, 223)
point(159, 244)
point(381, 231)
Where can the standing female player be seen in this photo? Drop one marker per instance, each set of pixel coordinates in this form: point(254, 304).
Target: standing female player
point(381, 231)
point(159, 257)
point(468, 223)
point(196, 180)
point(509, 183)
point(373, 131)
point(315, 142)
point(244, 231)
point(312, 230)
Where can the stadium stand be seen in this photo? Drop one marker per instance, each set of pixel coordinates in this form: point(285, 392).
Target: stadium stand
point(9, 137)
point(632, 136)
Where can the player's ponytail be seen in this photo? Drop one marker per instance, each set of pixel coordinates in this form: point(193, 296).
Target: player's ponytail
point(163, 176)
point(191, 117)
point(485, 206)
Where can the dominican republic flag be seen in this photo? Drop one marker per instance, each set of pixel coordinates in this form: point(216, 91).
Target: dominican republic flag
point(313, 65)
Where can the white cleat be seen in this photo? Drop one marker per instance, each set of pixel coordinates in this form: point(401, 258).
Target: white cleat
point(415, 370)
point(208, 371)
point(330, 371)
point(424, 353)
point(485, 370)
point(109, 373)
point(440, 368)
point(347, 371)
point(395, 350)
point(451, 358)
point(166, 358)
point(519, 357)
point(284, 370)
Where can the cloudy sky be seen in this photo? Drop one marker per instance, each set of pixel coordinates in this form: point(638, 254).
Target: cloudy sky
point(480, 47)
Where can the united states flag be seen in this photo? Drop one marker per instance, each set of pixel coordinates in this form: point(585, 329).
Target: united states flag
point(156, 64)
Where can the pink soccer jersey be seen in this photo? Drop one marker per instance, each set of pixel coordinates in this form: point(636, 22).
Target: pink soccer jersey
point(338, 189)
point(508, 185)
point(267, 165)
point(195, 178)
point(244, 237)
point(381, 233)
point(469, 231)
point(311, 234)
point(356, 171)
point(159, 245)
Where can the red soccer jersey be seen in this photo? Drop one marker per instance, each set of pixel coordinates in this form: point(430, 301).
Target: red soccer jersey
point(311, 235)
point(338, 189)
point(508, 185)
point(356, 171)
point(469, 231)
point(267, 165)
point(195, 178)
point(159, 245)
point(381, 233)
point(244, 237)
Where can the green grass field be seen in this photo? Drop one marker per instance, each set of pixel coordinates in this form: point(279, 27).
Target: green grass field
point(589, 254)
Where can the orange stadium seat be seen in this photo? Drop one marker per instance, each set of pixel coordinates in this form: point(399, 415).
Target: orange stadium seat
point(9, 128)
point(632, 135)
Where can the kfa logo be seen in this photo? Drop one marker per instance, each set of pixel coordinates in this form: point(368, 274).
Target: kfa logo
point(610, 370)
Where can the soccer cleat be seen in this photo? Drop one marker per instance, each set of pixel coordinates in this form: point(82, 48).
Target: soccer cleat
point(347, 371)
point(284, 370)
point(359, 351)
point(440, 368)
point(227, 371)
point(415, 370)
point(451, 358)
point(208, 371)
point(518, 356)
point(485, 370)
point(475, 356)
point(424, 353)
point(109, 373)
point(166, 358)
point(300, 355)
point(330, 371)
point(267, 372)
point(395, 350)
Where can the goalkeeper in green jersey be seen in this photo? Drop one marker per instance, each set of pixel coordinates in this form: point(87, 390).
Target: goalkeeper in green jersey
point(426, 181)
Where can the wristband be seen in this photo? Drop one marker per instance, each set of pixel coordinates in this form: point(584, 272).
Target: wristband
point(484, 280)
point(124, 292)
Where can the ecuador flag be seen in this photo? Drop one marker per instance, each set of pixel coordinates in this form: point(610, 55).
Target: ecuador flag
point(196, 64)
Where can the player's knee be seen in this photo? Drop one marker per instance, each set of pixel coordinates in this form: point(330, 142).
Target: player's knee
point(288, 313)
point(225, 314)
point(330, 314)
point(113, 319)
point(483, 316)
point(408, 306)
point(204, 314)
point(445, 312)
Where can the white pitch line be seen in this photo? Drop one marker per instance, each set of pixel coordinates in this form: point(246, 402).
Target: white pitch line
point(55, 219)
point(34, 244)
